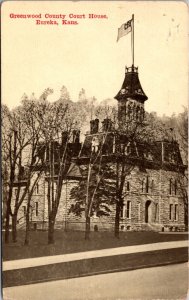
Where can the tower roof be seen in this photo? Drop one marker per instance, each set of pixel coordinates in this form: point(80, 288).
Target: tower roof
point(131, 87)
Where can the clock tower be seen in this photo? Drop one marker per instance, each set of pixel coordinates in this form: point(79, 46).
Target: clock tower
point(131, 98)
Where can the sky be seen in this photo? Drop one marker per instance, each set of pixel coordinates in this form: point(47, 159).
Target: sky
point(86, 55)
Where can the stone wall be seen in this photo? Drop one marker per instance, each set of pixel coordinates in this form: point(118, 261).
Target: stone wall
point(157, 197)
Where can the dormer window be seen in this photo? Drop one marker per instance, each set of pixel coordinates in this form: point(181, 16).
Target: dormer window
point(37, 189)
point(172, 158)
point(148, 156)
point(95, 144)
point(128, 149)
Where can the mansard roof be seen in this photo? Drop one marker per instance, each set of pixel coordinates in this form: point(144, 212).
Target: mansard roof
point(131, 87)
point(152, 153)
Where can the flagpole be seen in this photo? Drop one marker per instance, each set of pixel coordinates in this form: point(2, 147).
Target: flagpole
point(133, 38)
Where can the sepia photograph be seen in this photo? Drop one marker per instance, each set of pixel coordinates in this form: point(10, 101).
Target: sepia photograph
point(94, 159)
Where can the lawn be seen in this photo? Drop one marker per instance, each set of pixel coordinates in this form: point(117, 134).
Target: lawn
point(70, 242)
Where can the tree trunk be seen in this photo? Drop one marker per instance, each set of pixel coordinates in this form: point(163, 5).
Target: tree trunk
point(14, 228)
point(7, 226)
point(117, 219)
point(186, 217)
point(87, 228)
point(51, 230)
point(26, 242)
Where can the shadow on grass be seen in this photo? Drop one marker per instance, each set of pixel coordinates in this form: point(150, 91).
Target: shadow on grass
point(73, 241)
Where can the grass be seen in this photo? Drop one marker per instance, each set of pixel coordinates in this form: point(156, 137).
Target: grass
point(73, 241)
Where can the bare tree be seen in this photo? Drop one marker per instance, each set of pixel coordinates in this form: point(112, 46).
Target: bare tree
point(15, 141)
point(60, 123)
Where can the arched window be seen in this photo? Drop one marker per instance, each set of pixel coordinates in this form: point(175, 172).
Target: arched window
point(95, 144)
point(128, 149)
point(128, 186)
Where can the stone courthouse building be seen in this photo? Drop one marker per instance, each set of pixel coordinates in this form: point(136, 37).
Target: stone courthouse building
point(152, 195)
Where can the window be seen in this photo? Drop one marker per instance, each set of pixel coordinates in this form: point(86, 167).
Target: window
point(147, 184)
point(170, 186)
point(143, 183)
point(128, 186)
point(37, 188)
point(128, 209)
point(156, 212)
point(176, 212)
point(24, 210)
point(139, 208)
point(128, 149)
point(95, 144)
point(16, 191)
point(170, 211)
point(152, 186)
point(175, 187)
point(114, 145)
point(36, 209)
point(122, 211)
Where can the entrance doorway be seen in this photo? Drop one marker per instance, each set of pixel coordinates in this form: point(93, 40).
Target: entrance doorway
point(148, 211)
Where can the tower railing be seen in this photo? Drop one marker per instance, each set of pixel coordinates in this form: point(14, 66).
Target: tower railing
point(131, 69)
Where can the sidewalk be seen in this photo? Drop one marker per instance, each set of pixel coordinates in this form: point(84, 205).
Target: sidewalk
point(48, 260)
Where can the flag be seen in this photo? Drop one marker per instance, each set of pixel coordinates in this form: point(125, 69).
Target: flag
point(124, 29)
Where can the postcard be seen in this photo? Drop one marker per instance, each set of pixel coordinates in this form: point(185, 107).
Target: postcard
point(94, 154)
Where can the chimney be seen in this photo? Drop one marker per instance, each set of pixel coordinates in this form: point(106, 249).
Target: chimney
point(107, 125)
point(76, 136)
point(64, 137)
point(94, 126)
